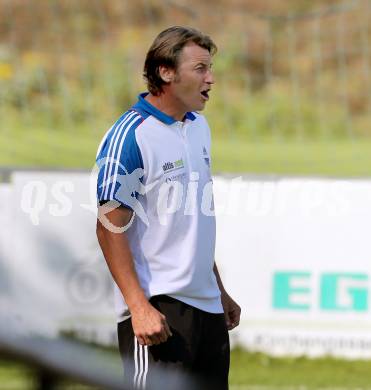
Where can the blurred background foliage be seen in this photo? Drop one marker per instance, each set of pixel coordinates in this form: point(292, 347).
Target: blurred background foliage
point(289, 74)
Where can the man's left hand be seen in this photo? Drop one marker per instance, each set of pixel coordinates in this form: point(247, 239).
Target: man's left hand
point(232, 311)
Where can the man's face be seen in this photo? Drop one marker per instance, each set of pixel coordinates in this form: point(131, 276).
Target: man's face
point(193, 78)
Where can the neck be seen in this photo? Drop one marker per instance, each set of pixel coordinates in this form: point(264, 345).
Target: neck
point(165, 103)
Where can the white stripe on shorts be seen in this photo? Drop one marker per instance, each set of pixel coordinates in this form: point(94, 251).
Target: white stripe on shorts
point(135, 361)
point(141, 365)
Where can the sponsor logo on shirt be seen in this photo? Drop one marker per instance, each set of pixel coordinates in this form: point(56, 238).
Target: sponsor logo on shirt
point(177, 177)
point(172, 166)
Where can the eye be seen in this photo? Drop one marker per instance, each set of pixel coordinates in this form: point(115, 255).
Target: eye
point(200, 68)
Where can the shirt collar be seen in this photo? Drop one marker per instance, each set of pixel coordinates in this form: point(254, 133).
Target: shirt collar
point(152, 110)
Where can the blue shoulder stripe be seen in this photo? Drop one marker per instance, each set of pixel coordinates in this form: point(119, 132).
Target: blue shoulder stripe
point(114, 143)
point(119, 152)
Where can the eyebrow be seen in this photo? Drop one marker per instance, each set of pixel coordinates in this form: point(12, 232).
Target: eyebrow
point(203, 64)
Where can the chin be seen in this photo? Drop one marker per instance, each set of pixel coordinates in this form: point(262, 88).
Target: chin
point(196, 106)
point(199, 107)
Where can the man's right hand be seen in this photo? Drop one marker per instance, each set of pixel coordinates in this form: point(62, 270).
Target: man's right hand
point(149, 325)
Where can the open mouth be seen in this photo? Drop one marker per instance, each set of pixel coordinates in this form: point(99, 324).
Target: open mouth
point(205, 94)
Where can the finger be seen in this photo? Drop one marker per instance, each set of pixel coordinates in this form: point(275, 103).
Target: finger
point(164, 333)
point(228, 320)
point(159, 336)
point(151, 340)
point(165, 325)
point(233, 318)
point(167, 330)
point(141, 340)
point(154, 339)
point(235, 315)
point(235, 323)
point(163, 336)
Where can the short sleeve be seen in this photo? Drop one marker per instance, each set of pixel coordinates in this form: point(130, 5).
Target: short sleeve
point(120, 164)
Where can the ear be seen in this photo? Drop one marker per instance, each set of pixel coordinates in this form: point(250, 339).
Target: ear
point(167, 74)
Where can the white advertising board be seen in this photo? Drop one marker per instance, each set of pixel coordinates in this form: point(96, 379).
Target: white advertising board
point(62, 281)
point(293, 252)
point(296, 255)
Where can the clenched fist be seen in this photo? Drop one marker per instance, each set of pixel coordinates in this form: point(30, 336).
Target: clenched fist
point(149, 325)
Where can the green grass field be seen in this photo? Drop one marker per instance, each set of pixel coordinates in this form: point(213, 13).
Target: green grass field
point(253, 371)
point(68, 149)
point(298, 373)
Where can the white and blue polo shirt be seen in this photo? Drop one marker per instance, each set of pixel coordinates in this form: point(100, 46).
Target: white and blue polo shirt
point(160, 168)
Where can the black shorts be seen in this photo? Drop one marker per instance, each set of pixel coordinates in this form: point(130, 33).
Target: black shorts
point(198, 348)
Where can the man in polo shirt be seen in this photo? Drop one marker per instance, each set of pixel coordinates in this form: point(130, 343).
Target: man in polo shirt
point(156, 224)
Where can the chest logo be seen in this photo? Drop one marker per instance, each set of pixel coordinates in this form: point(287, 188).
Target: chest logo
point(172, 166)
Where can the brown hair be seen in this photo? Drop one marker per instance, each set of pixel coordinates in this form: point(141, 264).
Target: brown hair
point(166, 49)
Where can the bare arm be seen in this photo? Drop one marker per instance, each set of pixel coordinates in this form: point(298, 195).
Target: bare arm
point(218, 279)
point(149, 324)
point(232, 310)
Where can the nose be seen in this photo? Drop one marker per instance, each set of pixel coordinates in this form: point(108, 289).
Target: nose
point(209, 77)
